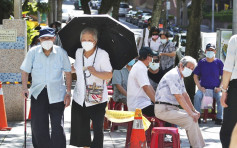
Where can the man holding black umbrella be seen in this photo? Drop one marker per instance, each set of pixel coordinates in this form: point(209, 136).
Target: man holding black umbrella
point(46, 63)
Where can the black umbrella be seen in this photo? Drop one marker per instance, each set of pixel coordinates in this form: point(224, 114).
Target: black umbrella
point(117, 39)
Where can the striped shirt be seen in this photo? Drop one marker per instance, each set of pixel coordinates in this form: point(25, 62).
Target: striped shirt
point(231, 57)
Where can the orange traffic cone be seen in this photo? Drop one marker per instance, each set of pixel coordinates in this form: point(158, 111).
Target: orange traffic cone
point(138, 138)
point(3, 117)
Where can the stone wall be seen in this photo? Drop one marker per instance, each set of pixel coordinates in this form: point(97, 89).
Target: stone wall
point(12, 55)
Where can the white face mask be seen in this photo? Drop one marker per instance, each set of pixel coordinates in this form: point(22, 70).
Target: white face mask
point(47, 45)
point(210, 54)
point(187, 72)
point(154, 66)
point(87, 45)
point(163, 41)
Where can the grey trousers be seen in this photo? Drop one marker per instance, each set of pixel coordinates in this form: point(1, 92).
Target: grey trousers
point(41, 110)
point(180, 117)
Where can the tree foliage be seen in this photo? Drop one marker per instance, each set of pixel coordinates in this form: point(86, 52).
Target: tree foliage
point(6, 9)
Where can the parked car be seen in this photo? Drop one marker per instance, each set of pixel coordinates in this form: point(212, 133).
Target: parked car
point(142, 23)
point(129, 15)
point(95, 4)
point(139, 17)
point(123, 9)
point(134, 17)
point(66, 15)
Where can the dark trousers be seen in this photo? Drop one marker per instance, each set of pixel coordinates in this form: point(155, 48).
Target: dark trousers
point(149, 111)
point(41, 110)
point(80, 125)
point(230, 115)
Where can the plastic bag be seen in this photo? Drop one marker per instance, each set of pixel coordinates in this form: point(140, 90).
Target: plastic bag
point(207, 99)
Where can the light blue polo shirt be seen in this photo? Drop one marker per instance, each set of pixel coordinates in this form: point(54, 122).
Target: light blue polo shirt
point(47, 71)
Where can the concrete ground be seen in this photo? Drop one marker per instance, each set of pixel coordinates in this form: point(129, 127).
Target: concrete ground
point(15, 137)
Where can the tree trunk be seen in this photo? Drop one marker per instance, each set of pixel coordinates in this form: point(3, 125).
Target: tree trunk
point(178, 12)
point(156, 13)
point(193, 40)
point(105, 6)
point(115, 12)
point(59, 10)
point(85, 6)
point(185, 13)
point(50, 14)
point(234, 17)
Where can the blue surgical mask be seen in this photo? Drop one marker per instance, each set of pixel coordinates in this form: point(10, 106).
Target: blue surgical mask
point(210, 54)
point(187, 72)
point(163, 41)
point(154, 66)
point(131, 63)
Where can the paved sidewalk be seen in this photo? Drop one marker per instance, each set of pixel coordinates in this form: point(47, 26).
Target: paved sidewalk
point(15, 137)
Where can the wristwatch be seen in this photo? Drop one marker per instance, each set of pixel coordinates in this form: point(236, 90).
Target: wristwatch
point(69, 93)
point(223, 90)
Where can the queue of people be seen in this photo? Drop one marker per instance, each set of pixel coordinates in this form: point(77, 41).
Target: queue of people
point(153, 84)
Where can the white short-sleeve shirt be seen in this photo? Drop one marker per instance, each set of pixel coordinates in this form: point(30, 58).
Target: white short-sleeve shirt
point(102, 64)
point(172, 83)
point(136, 96)
point(154, 45)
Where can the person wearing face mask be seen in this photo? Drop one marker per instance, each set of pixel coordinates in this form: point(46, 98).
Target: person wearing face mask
point(119, 82)
point(171, 93)
point(140, 93)
point(92, 66)
point(153, 72)
point(146, 32)
point(167, 53)
point(49, 95)
point(154, 39)
point(209, 71)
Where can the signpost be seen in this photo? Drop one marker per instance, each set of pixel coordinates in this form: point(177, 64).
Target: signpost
point(8, 35)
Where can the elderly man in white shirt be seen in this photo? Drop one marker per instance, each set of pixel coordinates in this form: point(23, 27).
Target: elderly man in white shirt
point(140, 93)
point(229, 93)
point(171, 93)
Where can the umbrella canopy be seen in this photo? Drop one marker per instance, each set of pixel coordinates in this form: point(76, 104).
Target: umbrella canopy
point(114, 37)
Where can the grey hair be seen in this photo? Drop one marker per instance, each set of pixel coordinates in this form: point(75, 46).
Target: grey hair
point(188, 59)
point(92, 31)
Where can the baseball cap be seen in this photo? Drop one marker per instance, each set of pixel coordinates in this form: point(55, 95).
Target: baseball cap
point(210, 45)
point(47, 31)
point(146, 51)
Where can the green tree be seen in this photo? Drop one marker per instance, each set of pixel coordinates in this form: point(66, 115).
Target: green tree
point(193, 40)
point(6, 9)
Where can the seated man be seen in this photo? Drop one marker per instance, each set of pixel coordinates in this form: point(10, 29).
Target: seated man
point(140, 93)
point(209, 70)
point(171, 93)
point(119, 82)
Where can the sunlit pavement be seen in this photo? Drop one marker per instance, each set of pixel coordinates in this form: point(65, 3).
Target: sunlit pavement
point(15, 137)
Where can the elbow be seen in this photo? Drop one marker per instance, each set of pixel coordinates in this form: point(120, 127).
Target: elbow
point(110, 74)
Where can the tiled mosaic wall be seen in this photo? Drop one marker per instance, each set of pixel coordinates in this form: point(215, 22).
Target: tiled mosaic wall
point(12, 55)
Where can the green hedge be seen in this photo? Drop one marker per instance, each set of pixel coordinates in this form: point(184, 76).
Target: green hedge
point(222, 16)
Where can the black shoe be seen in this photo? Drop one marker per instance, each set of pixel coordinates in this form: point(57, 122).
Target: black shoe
point(218, 122)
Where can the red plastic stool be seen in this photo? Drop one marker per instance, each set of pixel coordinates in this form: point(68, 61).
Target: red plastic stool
point(158, 134)
point(211, 115)
point(118, 106)
point(155, 122)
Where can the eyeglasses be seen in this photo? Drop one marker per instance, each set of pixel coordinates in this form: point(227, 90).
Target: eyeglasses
point(155, 60)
